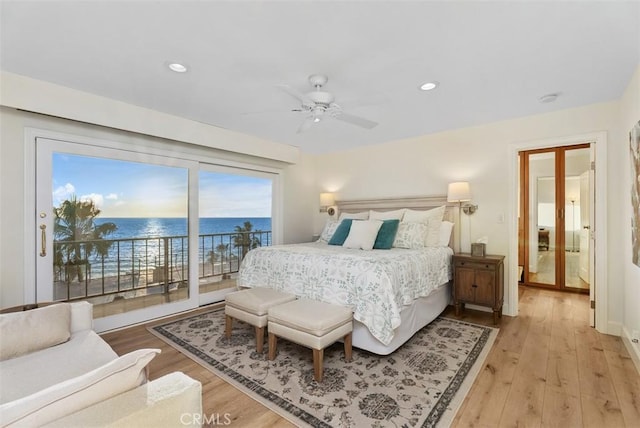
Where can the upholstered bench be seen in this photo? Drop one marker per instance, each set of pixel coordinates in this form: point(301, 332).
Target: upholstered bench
point(313, 324)
point(251, 306)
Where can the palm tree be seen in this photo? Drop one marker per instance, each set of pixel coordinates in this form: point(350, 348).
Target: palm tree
point(222, 250)
point(220, 253)
point(245, 238)
point(76, 235)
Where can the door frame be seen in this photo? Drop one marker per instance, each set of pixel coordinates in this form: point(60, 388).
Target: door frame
point(600, 225)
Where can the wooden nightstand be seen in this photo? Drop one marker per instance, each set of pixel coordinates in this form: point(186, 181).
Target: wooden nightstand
point(480, 281)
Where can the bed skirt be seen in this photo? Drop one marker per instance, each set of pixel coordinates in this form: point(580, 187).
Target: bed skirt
point(415, 316)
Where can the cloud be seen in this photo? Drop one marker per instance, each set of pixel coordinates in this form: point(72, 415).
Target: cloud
point(63, 193)
point(97, 199)
point(112, 196)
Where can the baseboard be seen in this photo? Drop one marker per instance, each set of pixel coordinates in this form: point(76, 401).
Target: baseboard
point(633, 348)
point(614, 328)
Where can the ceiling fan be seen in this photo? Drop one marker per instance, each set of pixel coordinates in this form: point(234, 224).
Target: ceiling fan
point(318, 105)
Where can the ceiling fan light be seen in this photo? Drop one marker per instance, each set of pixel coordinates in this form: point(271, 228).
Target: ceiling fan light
point(316, 119)
point(549, 98)
point(428, 86)
point(177, 67)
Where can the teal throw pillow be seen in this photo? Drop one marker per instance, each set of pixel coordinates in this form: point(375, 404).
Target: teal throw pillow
point(386, 235)
point(341, 233)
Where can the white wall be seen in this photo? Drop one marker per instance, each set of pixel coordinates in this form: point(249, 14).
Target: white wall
point(480, 155)
point(301, 202)
point(298, 186)
point(629, 115)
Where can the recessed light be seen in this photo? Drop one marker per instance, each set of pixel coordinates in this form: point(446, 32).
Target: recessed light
point(549, 98)
point(177, 67)
point(429, 86)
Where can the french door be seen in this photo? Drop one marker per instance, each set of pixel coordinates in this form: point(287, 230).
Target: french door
point(557, 207)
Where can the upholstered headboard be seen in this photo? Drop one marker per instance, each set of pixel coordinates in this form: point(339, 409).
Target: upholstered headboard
point(414, 203)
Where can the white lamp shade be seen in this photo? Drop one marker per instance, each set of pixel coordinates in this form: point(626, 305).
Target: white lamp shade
point(326, 199)
point(459, 192)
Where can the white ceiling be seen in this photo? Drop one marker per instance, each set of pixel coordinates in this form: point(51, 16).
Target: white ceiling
point(493, 59)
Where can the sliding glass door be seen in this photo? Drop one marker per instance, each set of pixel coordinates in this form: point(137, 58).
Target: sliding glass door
point(142, 235)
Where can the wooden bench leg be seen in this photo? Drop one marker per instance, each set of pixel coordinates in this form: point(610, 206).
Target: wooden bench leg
point(259, 339)
point(273, 342)
point(347, 348)
point(228, 326)
point(318, 356)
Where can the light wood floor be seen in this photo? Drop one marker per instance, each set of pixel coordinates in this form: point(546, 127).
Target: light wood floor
point(547, 368)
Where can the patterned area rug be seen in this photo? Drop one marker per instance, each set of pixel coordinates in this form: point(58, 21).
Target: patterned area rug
point(421, 384)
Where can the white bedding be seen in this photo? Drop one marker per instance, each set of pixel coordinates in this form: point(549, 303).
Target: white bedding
point(376, 284)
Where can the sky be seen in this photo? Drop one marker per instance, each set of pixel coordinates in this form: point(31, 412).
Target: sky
point(133, 189)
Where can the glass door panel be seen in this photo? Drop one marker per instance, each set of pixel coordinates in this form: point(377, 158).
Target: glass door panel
point(577, 223)
point(542, 218)
point(235, 213)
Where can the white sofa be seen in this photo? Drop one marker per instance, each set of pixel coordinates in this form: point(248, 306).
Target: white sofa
point(56, 371)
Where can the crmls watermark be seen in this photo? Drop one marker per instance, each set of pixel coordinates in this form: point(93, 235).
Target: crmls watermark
point(212, 419)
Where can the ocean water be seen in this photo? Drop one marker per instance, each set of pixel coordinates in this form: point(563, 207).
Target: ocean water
point(160, 227)
point(134, 247)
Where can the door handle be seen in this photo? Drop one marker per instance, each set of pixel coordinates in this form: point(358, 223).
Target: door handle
point(586, 227)
point(43, 237)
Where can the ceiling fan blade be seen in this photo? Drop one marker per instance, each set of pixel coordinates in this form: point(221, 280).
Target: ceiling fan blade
point(296, 94)
point(306, 125)
point(356, 120)
point(279, 111)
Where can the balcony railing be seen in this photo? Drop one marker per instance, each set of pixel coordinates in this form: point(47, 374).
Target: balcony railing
point(141, 266)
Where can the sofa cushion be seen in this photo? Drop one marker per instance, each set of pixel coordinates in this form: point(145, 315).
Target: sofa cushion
point(29, 331)
point(118, 376)
point(81, 316)
point(29, 373)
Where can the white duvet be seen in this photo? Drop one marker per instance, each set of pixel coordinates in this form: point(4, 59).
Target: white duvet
point(376, 284)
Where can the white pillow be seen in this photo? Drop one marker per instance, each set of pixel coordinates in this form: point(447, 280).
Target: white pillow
point(423, 216)
point(386, 215)
point(411, 235)
point(364, 215)
point(433, 232)
point(446, 227)
point(28, 331)
point(363, 234)
point(328, 231)
point(115, 377)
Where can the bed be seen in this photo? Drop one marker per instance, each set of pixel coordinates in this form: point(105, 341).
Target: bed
point(393, 292)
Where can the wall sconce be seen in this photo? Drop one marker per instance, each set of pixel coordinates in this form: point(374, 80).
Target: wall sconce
point(326, 202)
point(461, 192)
point(469, 209)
